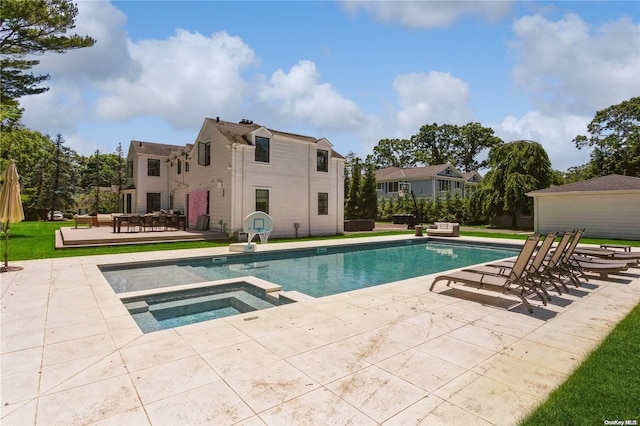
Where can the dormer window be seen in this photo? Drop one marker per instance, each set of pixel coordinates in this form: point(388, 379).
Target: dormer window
point(262, 149)
point(323, 160)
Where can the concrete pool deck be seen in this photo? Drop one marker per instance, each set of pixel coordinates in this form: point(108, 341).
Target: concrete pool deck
point(391, 354)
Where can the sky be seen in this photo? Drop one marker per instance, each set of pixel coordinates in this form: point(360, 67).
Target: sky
point(355, 72)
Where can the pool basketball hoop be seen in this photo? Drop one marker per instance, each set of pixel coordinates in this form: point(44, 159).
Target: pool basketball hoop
point(403, 189)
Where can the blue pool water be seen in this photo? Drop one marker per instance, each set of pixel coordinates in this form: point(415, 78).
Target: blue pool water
point(316, 272)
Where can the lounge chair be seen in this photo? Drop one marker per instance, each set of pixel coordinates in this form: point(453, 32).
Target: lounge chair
point(608, 254)
point(533, 270)
point(515, 283)
point(570, 265)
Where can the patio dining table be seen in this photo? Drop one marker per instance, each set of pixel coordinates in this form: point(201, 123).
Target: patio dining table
point(118, 219)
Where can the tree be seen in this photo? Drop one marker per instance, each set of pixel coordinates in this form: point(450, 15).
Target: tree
point(29, 28)
point(473, 139)
point(394, 153)
point(438, 144)
point(368, 192)
point(435, 144)
point(99, 171)
point(614, 134)
point(515, 169)
point(352, 203)
point(62, 187)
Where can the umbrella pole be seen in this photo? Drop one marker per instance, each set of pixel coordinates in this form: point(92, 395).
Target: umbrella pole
point(6, 249)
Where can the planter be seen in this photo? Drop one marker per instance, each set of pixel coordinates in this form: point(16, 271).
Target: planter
point(359, 225)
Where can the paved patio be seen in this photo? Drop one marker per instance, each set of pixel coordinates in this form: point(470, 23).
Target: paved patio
point(391, 354)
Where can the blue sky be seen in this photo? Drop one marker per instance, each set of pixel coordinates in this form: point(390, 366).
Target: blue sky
point(353, 72)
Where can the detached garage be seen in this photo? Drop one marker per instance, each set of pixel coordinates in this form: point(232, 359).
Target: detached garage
point(607, 207)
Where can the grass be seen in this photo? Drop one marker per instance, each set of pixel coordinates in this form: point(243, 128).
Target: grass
point(604, 387)
point(35, 240)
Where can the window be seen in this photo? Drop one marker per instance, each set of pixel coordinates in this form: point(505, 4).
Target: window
point(204, 153)
point(179, 166)
point(153, 202)
point(130, 168)
point(323, 203)
point(392, 186)
point(262, 149)
point(186, 167)
point(262, 200)
point(380, 186)
point(443, 185)
point(153, 167)
point(323, 160)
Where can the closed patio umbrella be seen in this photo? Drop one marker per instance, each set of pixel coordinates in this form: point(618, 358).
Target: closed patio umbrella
point(10, 206)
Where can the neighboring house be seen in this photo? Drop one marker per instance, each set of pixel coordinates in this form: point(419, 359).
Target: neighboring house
point(234, 169)
point(430, 181)
point(607, 207)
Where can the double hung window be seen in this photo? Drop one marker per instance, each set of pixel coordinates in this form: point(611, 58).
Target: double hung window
point(204, 153)
point(262, 149)
point(153, 167)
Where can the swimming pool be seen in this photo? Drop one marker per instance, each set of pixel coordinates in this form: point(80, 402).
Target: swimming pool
point(316, 272)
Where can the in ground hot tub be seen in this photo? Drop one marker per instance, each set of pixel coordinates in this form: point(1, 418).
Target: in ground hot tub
point(165, 308)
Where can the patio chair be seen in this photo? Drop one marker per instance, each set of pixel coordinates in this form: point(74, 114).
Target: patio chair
point(133, 223)
point(608, 254)
point(515, 283)
point(147, 222)
point(533, 269)
point(162, 221)
point(577, 267)
point(174, 221)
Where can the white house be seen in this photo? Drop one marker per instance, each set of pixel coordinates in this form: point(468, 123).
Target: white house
point(233, 169)
point(607, 207)
point(429, 181)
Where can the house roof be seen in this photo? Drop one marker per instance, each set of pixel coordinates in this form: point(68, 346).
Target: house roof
point(152, 148)
point(237, 132)
point(413, 173)
point(603, 183)
point(469, 175)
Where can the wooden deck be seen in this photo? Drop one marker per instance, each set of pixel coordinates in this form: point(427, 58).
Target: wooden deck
point(70, 237)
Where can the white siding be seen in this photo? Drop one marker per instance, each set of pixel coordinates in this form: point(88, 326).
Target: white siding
point(603, 215)
point(293, 184)
point(233, 176)
point(146, 184)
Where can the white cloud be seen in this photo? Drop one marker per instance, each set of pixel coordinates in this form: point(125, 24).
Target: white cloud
point(435, 97)
point(183, 79)
point(569, 66)
point(108, 58)
point(300, 94)
point(429, 14)
point(555, 133)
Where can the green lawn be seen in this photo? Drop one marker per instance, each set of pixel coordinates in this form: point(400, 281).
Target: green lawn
point(605, 387)
point(36, 240)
